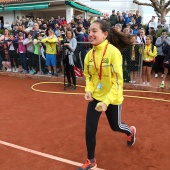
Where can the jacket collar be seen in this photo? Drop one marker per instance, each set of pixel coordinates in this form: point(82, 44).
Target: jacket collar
point(100, 46)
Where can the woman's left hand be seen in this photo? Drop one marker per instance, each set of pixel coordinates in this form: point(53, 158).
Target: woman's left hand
point(148, 52)
point(102, 107)
point(65, 44)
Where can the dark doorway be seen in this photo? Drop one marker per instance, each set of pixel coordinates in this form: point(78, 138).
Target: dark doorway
point(2, 19)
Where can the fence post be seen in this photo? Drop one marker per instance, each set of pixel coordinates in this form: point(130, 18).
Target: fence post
point(141, 63)
point(39, 58)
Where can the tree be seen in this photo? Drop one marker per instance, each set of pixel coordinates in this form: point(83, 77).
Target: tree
point(161, 7)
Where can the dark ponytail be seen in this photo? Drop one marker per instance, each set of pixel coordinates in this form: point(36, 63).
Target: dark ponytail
point(118, 39)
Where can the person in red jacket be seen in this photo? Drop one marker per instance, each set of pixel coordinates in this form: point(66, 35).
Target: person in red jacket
point(63, 21)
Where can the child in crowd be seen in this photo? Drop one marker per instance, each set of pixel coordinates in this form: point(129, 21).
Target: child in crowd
point(37, 51)
point(30, 53)
point(135, 30)
point(22, 53)
point(150, 52)
point(133, 60)
point(12, 46)
point(3, 49)
point(51, 52)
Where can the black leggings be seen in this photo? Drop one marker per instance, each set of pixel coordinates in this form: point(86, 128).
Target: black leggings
point(14, 58)
point(31, 60)
point(159, 64)
point(69, 69)
point(113, 114)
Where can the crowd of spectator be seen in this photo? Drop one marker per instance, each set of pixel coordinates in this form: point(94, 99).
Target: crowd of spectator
point(23, 43)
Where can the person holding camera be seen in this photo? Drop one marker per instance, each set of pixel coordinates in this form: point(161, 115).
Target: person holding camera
point(69, 46)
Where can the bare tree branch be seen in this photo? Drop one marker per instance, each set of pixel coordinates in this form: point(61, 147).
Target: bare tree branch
point(160, 2)
point(157, 14)
point(166, 4)
point(155, 6)
point(140, 3)
point(167, 10)
point(160, 6)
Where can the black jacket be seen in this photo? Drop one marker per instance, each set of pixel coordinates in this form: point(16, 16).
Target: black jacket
point(15, 43)
point(167, 56)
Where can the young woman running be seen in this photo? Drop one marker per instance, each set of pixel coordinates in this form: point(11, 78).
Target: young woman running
point(104, 85)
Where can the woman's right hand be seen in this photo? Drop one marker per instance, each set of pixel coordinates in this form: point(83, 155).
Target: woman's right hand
point(88, 97)
point(166, 62)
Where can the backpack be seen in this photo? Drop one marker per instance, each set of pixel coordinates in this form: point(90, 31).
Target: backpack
point(78, 72)
point(165, 48)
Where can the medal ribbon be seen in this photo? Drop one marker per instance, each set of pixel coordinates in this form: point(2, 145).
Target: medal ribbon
point(100, 73)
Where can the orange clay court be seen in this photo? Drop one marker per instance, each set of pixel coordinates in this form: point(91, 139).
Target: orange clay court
point(46, 131)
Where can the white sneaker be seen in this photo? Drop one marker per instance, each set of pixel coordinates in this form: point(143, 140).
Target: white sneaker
point(16, 70)
point(143, 83)
point(13, 70)
point(162, 75)
point(148, 83)
point(156, 75)
point(25, 72)
point(9, 70)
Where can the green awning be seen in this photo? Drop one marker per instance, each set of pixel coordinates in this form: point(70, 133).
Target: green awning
point(81, 7)
point(21, 7)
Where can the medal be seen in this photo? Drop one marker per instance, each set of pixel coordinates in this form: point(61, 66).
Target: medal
point(133, 54)
point(100, 85)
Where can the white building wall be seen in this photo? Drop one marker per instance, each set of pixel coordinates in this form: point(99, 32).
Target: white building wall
point(69, 13)
point(9, 17)
point(45, 15)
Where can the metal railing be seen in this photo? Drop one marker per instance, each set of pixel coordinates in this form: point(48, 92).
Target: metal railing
point(132, 59)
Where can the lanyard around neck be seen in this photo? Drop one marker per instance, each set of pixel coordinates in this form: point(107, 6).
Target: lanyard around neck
point(100, 72)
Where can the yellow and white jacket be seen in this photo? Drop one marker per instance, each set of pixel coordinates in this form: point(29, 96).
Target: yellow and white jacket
point(152, 55)
point(112, 74)
point(50, 45)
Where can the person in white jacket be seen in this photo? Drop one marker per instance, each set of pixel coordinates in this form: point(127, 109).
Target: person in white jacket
point(142, 37)
point(30, 53)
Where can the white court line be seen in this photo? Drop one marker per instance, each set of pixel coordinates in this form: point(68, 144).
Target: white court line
point(43, 154)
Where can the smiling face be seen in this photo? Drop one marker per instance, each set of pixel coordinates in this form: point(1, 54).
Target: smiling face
point(96, 35)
